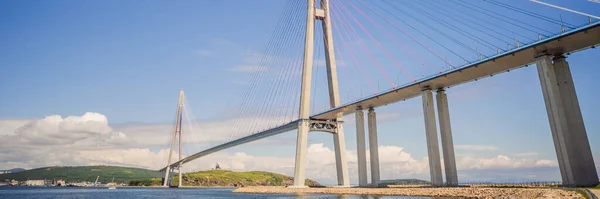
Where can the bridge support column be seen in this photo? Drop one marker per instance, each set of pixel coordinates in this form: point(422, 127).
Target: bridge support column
point(301, 148)
point(373, 148)
point(165, 176)
point(446, 136)
point(433, 151)
point(334, 95)
point(361, 148)
point(340, 156)
point(166, 179)
point(180, 176)
point(168, 168)
point(168, 174)
point(568, 130)
point(303, 125)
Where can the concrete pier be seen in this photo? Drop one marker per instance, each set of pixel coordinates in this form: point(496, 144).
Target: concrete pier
point(301, 148)
point(340, 157)
point(334, 94)
point(361, 148)
point(303, 125)
point(373, 147)
point(446, 136)
point(433, 151)
point(167, 176)
point(180, 182)
point(568, 130)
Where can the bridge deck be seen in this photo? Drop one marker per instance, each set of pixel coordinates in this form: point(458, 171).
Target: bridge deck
point(257, 136)
point(568, 42)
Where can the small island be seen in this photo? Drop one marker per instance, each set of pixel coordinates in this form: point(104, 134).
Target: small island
point(226, 178)
point(128, 176)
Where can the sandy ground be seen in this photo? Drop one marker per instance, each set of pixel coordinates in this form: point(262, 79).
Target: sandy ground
point(595, 192)
point(469, 192)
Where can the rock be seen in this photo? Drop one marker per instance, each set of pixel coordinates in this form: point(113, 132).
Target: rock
point(466, 192)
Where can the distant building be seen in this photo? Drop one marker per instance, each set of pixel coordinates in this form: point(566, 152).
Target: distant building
point(15, 170)
point(35, 182)
point(55, 182)
point(60, 183)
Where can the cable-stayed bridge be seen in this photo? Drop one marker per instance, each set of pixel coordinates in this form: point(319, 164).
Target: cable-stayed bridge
point(433, 46)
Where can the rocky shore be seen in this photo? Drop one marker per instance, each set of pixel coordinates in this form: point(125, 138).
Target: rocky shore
point(463, 192)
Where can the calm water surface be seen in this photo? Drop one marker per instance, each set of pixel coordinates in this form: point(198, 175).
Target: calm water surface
point(97, 192)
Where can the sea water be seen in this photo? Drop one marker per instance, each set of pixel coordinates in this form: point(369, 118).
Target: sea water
point(127, 192)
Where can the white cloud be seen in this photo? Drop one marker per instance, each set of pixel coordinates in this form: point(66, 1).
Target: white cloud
point(526, 154)
point(136, 157)
point(9, 127)
point(22, 140)
point(501, 162)
point(55, 130)
point(89, 140)
point(395, 163)
point(204, 132)
point(476, 147)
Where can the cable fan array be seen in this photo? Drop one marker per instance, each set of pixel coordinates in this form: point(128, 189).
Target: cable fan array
point(379, 45)
point(268, 96)
point(384, 44)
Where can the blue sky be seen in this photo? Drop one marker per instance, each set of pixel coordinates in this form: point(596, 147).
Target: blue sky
point(127, 60)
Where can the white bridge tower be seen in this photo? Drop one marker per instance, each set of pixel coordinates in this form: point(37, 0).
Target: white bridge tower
point(307, 124)
point(176, 134)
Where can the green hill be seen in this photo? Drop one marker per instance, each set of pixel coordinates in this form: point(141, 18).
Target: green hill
point(225, 178)
point(403, 182)
point(83, 173)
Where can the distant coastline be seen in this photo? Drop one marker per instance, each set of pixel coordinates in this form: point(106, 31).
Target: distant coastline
point(90, 176)
point(76, 176)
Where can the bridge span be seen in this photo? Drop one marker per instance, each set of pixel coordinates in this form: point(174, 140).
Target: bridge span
point(539, 52)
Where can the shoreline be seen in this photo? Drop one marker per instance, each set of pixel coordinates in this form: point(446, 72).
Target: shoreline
point(463, 192)
point(184, 187)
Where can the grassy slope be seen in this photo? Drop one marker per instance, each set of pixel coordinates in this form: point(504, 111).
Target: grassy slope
point(83, 173)
point(230, 178)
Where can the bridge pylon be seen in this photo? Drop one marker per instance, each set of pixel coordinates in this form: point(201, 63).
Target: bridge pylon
point(176, 134)
point(571, 143)
point(306, 124)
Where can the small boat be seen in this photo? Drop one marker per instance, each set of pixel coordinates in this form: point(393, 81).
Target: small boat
point(112, 184)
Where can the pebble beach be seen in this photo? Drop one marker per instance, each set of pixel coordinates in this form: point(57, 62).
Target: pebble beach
point(462, 192)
